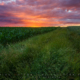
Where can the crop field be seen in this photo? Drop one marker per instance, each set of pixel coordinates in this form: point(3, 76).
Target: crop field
point(12, 35)
point(54, 54)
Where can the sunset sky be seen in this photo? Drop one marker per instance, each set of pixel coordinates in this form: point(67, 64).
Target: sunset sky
point(39, 13)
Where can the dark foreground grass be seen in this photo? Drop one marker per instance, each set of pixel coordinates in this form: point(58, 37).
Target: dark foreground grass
point(50, 56)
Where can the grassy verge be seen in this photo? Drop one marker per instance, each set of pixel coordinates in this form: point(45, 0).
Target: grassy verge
point(50, 56)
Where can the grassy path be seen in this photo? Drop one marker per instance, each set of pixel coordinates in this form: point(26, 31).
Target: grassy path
point(45, 57)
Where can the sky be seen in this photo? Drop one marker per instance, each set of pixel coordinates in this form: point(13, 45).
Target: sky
point(39, 13)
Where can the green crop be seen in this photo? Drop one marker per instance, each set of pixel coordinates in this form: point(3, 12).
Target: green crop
point(14, 34)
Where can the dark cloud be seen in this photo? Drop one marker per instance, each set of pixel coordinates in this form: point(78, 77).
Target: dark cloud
point(9, 18)
point(70, 3)
point(15, 21)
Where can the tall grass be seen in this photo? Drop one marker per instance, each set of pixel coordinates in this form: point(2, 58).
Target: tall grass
point(74, 36)
point(49, 56)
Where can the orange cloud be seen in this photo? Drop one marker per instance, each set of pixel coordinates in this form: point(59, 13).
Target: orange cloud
point(2, 3)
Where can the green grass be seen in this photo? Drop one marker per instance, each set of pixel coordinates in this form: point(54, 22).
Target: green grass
point(49, 56)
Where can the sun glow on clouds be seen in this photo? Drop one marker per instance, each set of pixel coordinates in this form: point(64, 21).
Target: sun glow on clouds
point(2, 3)
point(37, 13)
